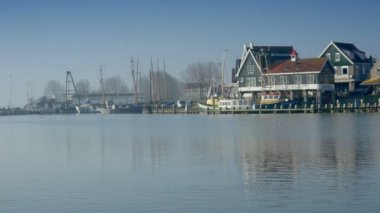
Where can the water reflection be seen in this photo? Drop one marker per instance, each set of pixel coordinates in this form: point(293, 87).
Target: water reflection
point(286, 156)
point(202, 163)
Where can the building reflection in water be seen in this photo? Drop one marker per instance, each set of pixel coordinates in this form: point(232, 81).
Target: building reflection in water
point(289, 154)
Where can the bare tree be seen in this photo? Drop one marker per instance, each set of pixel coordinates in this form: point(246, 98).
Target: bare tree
point(54, 89)
point(115, 85)
point(83, 88)
point(202, 72)
point(170, 92)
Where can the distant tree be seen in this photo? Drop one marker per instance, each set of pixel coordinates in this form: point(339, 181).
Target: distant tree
point(83, 88)
point(163, 87)
point(115, 85)
point(54, 89)
point(202, 72)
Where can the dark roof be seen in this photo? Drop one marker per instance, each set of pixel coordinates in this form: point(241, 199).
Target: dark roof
point(273, 49)
point(352, 52)
point(269, 55)
point(300, 65)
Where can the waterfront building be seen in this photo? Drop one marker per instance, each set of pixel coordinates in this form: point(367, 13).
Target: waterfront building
point(278, 68)
point(195, 91)
point(375, 70)
point(374, 80)
point(351, 65)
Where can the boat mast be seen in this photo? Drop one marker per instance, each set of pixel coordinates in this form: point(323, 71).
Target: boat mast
point(165, 81)
point(150, 81)
point(158, 81)
point(223, 67)
point(134, 80)
point(139, 79)
point(102, 85)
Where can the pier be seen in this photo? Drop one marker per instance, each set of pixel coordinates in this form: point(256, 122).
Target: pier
point(327, 108)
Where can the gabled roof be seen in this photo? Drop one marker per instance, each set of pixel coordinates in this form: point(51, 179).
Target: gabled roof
point(299, 66)
point(356, 55)
point(273, 50)
point(269, 55)
point(350, 51)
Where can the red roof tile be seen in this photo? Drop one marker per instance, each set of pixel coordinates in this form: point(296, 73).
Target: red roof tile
point(300, 65)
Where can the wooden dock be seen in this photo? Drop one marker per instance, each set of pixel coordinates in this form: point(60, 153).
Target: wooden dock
point(327, 108)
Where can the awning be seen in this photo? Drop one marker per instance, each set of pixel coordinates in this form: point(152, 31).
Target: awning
point(371, 81)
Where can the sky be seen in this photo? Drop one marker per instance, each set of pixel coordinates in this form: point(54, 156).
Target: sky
point(42, 39)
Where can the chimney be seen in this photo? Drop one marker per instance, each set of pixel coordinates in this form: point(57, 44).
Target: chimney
point(293, 56)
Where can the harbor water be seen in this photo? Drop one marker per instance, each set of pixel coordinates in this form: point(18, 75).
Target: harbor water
point(190, 163)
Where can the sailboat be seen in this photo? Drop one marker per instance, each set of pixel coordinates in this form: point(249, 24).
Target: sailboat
point(103, 109)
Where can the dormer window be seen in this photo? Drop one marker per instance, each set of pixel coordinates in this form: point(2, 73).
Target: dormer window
point(337, 56)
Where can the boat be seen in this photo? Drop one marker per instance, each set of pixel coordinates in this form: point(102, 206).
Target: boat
point(127, 108)
point(235, 104)
point(272, 100)
point(103, 110)
point(227, 104)
point(211, 103)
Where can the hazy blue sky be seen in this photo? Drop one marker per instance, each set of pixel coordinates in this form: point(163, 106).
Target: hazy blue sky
point(41, 39)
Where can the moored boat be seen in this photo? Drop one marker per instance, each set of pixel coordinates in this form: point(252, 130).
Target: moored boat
point(227, 104)
point(272, 100)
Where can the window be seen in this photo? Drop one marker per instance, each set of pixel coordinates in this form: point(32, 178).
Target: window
point(310, 79)
point(337, 56)
point(328, 56)
point(241, 80)
point(283, 80)
point(344, 70)
point(251, 81)
point(378, 71)
point(251, 69)
point(297, 79)
point(273, 80)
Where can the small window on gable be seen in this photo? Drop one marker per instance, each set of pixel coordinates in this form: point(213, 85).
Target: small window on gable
point(251, 69)
point(328, 56)
point(337, 56)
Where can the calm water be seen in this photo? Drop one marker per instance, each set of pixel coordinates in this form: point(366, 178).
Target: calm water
point(190, 163)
